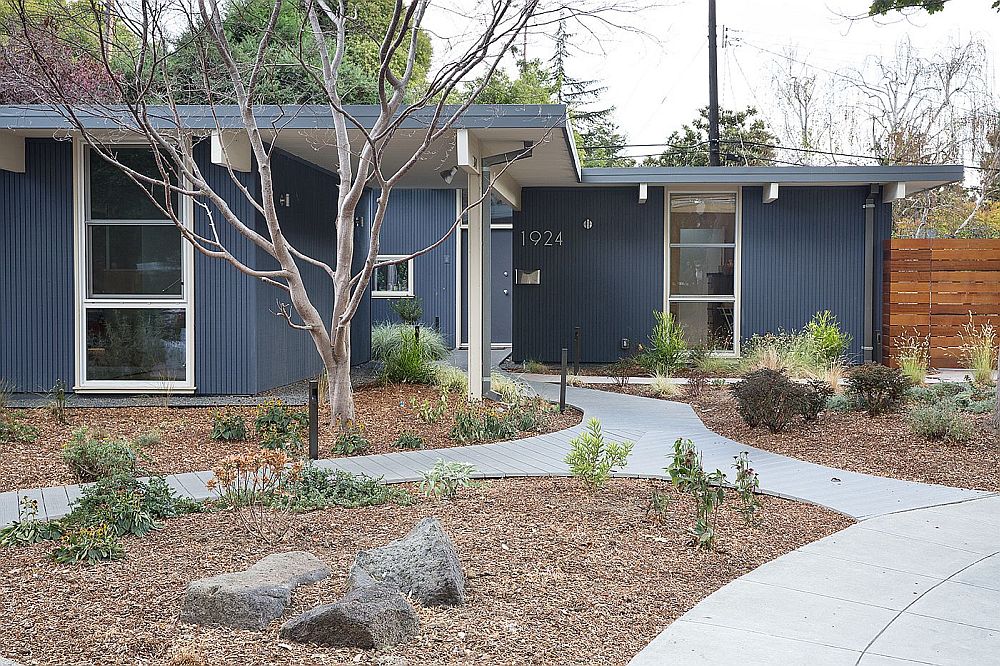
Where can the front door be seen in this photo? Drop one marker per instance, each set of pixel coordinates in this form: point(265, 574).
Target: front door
point(503, 282)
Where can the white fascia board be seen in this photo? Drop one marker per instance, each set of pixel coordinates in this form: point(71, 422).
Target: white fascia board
point(12, 152)
point(231, 149)
point(770, 192)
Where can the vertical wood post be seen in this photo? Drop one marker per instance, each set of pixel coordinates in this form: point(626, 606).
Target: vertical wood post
point(313, 419)
point(562, 381)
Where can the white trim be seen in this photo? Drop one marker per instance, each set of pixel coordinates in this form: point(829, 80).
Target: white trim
point(736, 298)
point(458, 269)
point(409, 293)
point(493, 227)
point(83, 301)
point(12, 153)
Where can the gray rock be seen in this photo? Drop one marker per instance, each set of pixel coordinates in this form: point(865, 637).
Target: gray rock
point(422, 565)
point(373, 616)
point(250, 599)
point(8, 662)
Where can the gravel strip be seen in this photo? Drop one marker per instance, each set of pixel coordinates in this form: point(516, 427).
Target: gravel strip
point(556, 576)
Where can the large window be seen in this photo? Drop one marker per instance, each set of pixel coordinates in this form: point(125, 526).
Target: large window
point(702, 260)
point(394, 280)
point(135, 319)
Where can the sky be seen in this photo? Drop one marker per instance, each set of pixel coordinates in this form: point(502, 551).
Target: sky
point(659, 81)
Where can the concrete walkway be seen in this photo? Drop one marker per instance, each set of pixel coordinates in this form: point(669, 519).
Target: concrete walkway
point(917, 579)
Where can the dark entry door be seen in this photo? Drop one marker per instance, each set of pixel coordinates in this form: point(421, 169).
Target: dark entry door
point(503, 283)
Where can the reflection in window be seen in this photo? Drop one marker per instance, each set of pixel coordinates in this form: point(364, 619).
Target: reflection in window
point(135, 344)
point(115, 196)
point(706, 322)
point(135, 260)
point(698, 271)
point(393, 280)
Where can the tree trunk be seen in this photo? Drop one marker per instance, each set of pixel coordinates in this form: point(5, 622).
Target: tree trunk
point(341, 395)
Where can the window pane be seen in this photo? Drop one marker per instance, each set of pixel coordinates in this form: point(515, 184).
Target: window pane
point(139, 344)
point(113, 195)
point(394, 278)
point(135, 259)
point(706, 323)
point(701, 271)
point(703, 218)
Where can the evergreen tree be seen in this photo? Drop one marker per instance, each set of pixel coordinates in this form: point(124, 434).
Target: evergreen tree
point(745, 141)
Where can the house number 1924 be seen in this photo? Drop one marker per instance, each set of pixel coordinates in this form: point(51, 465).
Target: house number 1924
point(545, 237)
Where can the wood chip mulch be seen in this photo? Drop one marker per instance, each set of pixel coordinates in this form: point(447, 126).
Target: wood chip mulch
point(883, 446)
point(184, 432)
point(556, 575)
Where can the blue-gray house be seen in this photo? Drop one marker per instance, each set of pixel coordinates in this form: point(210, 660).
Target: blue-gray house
point(98, 292)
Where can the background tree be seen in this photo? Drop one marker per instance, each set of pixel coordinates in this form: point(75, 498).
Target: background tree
point(882, 7)
point(745, 138)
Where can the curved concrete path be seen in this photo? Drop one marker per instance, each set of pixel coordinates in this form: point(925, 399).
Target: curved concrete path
point(915, 582)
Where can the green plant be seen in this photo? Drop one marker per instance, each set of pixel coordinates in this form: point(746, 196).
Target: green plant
point(662, 387)
point(510, 390)
point(979, 349)
point(815, 394)
point(12, 430)
point(445, 479)
point(687, 474)
point(481, 423)
point(592, 459)
point(941, 421)
point(747, 485)
point(830, 341)
point(534, 367)
point(228, 426)
point(408, 441)
point(431, 412)
point(876, 388)
point(407, 363)
point(409, 310)
point(841, 403)
point(666, 343)
point(913, 357)
point(387, 338)
point(127, 505)
point(350, 439)
point(88, 545)
point(659, 505)
point(27, 529)
point(279, 427)
point(768, 397)
point(6, 390)
point(451, 379)
point(92, 458)
point(57, 401)
point(796, 353)
point(316, 488)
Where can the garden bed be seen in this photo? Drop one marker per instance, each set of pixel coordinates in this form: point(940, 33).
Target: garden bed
point(883, 446)
point(184, 443)
point(556, 575)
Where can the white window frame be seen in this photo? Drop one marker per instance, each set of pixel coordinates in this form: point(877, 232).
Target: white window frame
point(736, 298)
point(84, 301)
point(409, 293)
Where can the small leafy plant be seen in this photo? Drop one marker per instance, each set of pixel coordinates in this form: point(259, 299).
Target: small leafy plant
point(431, 412)
point(13, 430)
point(96, 457)
point(316, 488)
point(28, 529)
point(592, 459)
point(279, 427)
point(408, 441)
point(57, 401)
point(228, 426)
point(707, 490)
point(88, 545)
point(747, 485)
point(659, 506)
point(876, 388)
point(830, 341)
point(666, 343)
point(445, 479)
point(127, 505)
point(350, 439)
point(482, 423)
point(409, 310)
point(940, 421)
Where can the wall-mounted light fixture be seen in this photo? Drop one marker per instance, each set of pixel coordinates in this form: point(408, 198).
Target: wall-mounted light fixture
point(588, 223)
point(449, 175)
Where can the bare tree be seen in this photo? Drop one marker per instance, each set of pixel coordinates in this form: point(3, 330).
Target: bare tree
point(488, 33)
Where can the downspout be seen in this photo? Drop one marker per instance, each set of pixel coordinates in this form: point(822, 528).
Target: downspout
point(867, 345)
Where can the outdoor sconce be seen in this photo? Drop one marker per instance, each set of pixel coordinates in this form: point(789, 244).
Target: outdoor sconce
point(588, 223)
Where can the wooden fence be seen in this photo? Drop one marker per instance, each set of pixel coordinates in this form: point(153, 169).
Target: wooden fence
point(930, 287)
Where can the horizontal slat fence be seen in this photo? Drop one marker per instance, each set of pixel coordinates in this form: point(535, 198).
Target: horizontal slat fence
point(930, 287)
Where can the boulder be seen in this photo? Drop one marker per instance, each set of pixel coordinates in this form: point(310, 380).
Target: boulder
point(372, 616)
point(250, 599)
point(423, 565)
point(8, 662)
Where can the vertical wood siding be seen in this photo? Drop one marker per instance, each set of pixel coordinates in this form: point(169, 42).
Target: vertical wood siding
point(414, 219)
point(36, 268)
point(804, 253)
point(607, 280)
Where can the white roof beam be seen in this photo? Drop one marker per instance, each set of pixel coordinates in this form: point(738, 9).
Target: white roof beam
point(770, 192)
point(12, 153)
point(893, 191)
point(468, 150)
point(232, 150)
point(643, 192)
point(508, 189)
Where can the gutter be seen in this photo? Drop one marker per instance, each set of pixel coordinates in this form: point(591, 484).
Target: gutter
point(867, 344)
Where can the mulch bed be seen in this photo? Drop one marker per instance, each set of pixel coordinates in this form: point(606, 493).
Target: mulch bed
point(883, 446)
point(555, 576)
point(185, 444)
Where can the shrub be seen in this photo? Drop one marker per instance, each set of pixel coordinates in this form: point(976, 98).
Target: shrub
point(592, 459)
point(815, 395)
point(409, 310)
point(445, 479)
point(697, 382)
point(841, 403)
point(666, 343)
point(451, 379)
point(93, 458)
point(406, 363)
point(662, 387)
point(913, 357)
point(408, 441)
point(387, 338)
point(747, 485)
point(769, 398)
point(481, 423)
point(940, 421)
point(350, 439)
point(316, 488)
point(228, 426)
point(687, 474)
point(534, 367)
point(829, 340)
point(510, 390)
point(279, 427)
point(431, 412)
point(530, 414)
point(88, 545)
point(979, 349)
point(622, 370)
point(128, 505)
point(12, 430)
point(27, 529)
point(252, 484)
point(57, 401)
point(796, 353)
point(876, 388)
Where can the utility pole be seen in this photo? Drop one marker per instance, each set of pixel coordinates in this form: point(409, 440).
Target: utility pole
point(713, 90)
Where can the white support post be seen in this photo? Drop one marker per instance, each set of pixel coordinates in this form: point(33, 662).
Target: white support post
point(232, 149)
point(643, 192)
point(770, 192)
point(893, 192)
point(474, 289)
point(12, 153)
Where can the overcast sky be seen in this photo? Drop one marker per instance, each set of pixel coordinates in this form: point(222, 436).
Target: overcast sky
point(657, 86)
